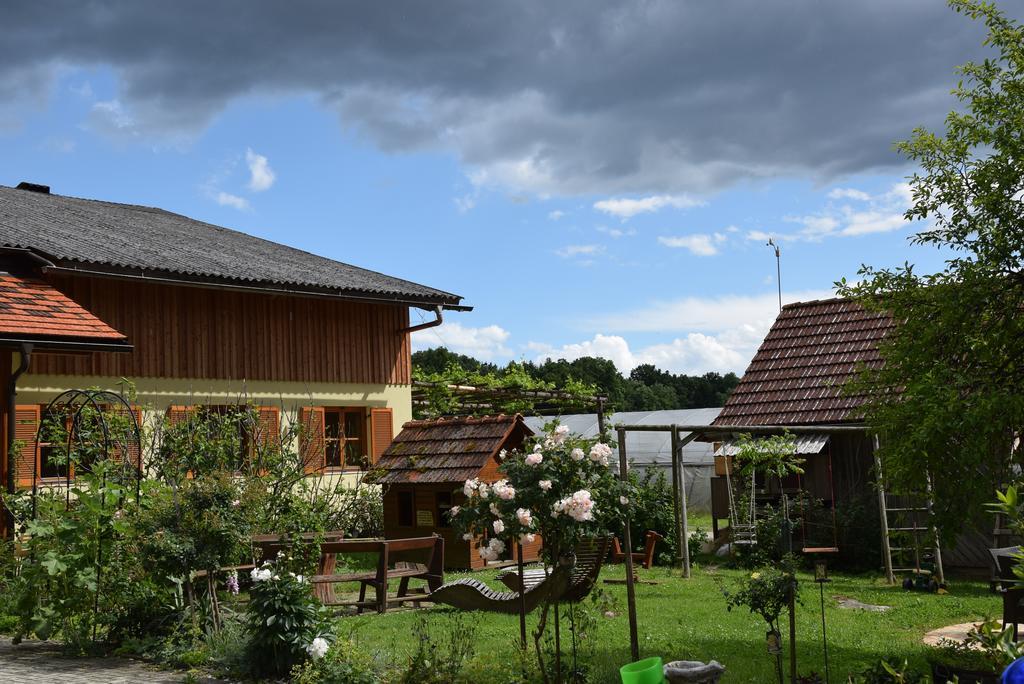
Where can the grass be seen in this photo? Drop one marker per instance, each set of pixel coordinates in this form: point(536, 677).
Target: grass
point(687, 619)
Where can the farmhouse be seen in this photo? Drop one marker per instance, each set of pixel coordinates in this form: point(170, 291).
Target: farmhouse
point(423, 472)
point(198, 315)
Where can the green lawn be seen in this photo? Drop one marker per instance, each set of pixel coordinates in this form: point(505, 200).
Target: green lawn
point(687, 619)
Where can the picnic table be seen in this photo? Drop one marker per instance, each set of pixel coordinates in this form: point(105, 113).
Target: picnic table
point(430, 549)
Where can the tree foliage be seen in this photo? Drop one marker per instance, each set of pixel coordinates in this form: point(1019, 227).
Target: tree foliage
point(947, 399)
point(645, 389)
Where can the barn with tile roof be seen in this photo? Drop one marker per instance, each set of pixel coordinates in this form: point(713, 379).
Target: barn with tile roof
point(798, 378)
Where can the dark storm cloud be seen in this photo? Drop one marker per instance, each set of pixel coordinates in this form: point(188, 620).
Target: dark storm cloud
point(572, 96)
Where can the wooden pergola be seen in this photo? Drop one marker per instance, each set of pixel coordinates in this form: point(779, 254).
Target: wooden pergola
point(471, 400)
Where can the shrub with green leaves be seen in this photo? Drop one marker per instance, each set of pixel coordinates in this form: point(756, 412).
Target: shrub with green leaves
point(283, 622)
point(344, 663)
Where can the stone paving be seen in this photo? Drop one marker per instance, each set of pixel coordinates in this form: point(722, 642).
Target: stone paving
point(36, 662)
point(951, 632)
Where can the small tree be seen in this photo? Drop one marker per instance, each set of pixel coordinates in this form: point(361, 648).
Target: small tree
point(560, 487)
point(947, 399)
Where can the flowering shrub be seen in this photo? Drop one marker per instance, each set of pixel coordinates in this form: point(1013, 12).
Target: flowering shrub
point(285, 623)
point(342, 661)
point(560, 487)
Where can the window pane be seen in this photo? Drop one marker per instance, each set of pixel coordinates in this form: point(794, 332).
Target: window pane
point(405, 509)
point(444, 505)
point(332, 419)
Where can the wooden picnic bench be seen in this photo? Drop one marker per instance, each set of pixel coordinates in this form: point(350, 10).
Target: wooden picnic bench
point(386, 549)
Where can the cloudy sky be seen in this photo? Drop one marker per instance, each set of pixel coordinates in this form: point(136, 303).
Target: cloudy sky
point(594, 177)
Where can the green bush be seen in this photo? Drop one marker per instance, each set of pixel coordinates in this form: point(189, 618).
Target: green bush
point(283, 620)
point(651, 507)
point(344, 663)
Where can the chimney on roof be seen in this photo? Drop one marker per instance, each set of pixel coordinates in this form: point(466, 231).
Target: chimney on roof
point(34, 187)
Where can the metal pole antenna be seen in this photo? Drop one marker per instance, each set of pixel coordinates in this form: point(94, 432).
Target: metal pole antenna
point(778, 268)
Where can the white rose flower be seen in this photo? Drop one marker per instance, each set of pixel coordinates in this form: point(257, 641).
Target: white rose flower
point(577, 454)
point(545, 485)
point(623, 500)
point(498, 526)
point(525, 517)
point(318, 649)
point(534, 459)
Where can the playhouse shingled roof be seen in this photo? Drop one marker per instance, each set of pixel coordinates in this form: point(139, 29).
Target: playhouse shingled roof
point(145, 242)
point(447, 449)
point(797, 375)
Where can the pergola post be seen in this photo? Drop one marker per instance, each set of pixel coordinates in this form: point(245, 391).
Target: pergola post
point(634, 644)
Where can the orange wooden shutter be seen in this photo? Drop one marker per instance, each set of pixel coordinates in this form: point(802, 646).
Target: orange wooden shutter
point(382, 430)
point(25, 429)
point(178, 414)
point(311, 438)
point(268, 431)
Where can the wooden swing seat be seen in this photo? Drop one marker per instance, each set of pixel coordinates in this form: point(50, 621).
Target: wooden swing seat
point(820, 549)
point(590, 554)
point(472, 594)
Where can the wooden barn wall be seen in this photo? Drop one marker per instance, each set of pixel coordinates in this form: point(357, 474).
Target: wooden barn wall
point(191, 332)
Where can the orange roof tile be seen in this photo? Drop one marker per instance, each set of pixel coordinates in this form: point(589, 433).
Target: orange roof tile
point(31, 308)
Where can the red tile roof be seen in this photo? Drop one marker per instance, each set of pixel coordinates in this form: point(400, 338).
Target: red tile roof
point(797, 375)
point(447, 449)
point(32, 309)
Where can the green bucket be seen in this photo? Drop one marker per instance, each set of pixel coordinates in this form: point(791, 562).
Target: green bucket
point(646, 671)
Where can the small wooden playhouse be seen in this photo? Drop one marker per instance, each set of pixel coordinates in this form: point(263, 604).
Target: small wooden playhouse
point(423, 471)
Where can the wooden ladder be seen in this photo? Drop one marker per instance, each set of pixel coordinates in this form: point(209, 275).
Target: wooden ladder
point(911, 518)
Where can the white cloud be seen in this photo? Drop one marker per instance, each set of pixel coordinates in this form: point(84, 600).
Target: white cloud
point(879, 213)
point(486, 343)
point(556, 214)
point(718, 334)
point(261, 176)
point(725, 313)
point(693, 354)
point(624, 207)
point(226, 199)
point(700, 244)
point(616, 233)
point(849, 193)
point(465, 203)
point(110, 118)
point(570, 251)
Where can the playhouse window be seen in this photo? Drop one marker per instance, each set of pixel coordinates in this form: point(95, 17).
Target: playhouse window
point(406, 509)
point(444, 505)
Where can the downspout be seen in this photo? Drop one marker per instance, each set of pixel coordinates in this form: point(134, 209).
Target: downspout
point(438, 311)
point(25, 356)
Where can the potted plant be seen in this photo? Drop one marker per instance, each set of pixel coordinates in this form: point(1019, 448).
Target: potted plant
point(978, 659)
point(767, 592)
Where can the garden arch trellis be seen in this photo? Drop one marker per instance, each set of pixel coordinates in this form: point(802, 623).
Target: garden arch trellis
point(70, 410)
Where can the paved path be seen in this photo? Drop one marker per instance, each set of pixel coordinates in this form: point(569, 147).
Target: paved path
point(36, 662)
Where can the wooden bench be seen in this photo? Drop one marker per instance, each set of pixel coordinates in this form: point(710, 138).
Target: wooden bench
point(432, 570)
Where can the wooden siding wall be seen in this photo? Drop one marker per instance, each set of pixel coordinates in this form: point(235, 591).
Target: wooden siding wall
point(191, 332)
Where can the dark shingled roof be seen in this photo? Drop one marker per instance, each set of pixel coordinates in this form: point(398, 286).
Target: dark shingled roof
point(134, 240)
point(447, 449)
point(797, 375)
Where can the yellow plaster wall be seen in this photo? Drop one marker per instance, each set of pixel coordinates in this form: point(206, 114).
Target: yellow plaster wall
point(156, 394)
